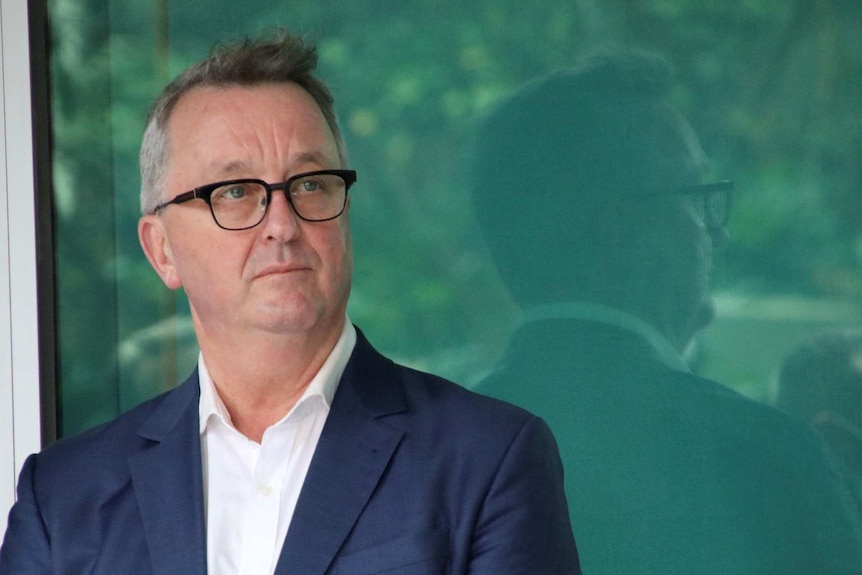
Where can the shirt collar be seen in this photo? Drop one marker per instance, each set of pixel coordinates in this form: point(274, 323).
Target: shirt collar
point(323, 385)
point(665, 351)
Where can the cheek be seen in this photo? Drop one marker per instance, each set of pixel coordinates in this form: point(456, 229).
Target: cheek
point(695, 256)
point(331, 246)
point(702, 244)
point(341, 254)
point(693, 238)
point(686, 252)
point(347, 245)
point(205, 264)
point(345, 252)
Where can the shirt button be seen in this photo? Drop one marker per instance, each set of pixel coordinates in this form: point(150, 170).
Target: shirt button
point(264, 490)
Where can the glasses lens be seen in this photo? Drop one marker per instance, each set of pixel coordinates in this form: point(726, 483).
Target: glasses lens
point(318, 197)
point(238, 205)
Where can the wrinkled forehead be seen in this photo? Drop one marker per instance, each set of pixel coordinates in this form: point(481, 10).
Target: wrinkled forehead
point(246, 124)
point(252, 105)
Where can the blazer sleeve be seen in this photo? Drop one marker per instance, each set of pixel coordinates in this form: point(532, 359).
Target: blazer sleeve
point(524, 525)
point(26, 549)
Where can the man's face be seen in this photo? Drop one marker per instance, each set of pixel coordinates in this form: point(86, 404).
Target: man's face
point(672, 247)
point(285, 276)
point(688, 260)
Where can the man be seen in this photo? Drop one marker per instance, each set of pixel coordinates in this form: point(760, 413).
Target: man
point(295, 447)
point(820, 381)
point(589, 189)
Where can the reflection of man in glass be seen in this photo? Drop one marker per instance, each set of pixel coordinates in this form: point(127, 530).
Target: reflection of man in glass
point(294, 447)
point(589, 189)
point(821, 382)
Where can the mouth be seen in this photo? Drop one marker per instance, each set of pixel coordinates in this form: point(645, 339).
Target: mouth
point(282, 269)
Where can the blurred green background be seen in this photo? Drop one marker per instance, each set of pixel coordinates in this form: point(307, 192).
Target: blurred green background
point(773, 88)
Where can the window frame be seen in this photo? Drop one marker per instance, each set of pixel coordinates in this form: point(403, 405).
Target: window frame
point(21, 385)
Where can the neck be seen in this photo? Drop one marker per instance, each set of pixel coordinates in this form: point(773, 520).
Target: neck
point(260, 377)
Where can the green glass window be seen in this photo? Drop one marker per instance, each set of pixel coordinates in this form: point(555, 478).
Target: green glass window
point(772, 88)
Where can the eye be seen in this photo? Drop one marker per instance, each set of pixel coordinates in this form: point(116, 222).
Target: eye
point(309, 185)
point(234, 192)
point(316, 185)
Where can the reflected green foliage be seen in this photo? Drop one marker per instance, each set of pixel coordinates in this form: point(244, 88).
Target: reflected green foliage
point(773, 87)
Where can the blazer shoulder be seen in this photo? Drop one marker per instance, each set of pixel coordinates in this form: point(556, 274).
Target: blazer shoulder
point(388, 388)
point(441, 393)
point(112, 441)
point(450, 414)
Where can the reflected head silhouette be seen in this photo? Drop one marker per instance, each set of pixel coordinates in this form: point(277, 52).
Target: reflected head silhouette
point(578, 182)
point(820, 382)
point(573, 166)
point(823, 377)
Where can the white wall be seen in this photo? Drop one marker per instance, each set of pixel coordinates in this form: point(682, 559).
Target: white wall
point(19, 360)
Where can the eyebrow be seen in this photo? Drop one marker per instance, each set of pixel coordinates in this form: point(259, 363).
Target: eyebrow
point(312, 158)
point(231, 167)
point(237, 166)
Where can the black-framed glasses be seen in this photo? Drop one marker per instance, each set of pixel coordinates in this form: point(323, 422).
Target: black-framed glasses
point(236, 205)
point(716, 200)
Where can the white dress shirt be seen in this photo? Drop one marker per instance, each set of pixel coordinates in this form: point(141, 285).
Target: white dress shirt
point(251, 489)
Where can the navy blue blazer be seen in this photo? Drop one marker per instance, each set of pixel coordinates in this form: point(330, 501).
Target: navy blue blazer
point(412, 475)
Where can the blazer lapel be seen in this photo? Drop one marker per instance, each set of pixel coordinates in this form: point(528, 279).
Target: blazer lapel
point(351, 456)
point(168, 484)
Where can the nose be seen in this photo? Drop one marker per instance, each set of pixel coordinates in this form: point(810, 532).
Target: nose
point(281, 222)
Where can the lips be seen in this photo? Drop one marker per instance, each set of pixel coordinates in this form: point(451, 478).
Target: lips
point(278, 269)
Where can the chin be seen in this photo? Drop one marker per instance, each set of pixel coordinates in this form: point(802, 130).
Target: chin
point(288, 320)
point(704, 316)
point(280, 317)
point(699, 318)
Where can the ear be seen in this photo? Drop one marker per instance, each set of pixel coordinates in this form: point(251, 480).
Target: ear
point(157, 247)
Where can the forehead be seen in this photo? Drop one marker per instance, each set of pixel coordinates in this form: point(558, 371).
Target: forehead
point(220, 126)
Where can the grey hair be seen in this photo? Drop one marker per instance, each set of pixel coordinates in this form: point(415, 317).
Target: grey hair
point(280, 58)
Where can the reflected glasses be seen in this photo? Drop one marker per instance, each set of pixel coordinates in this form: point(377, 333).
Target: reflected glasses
point(716, 200)
point(242, 204)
